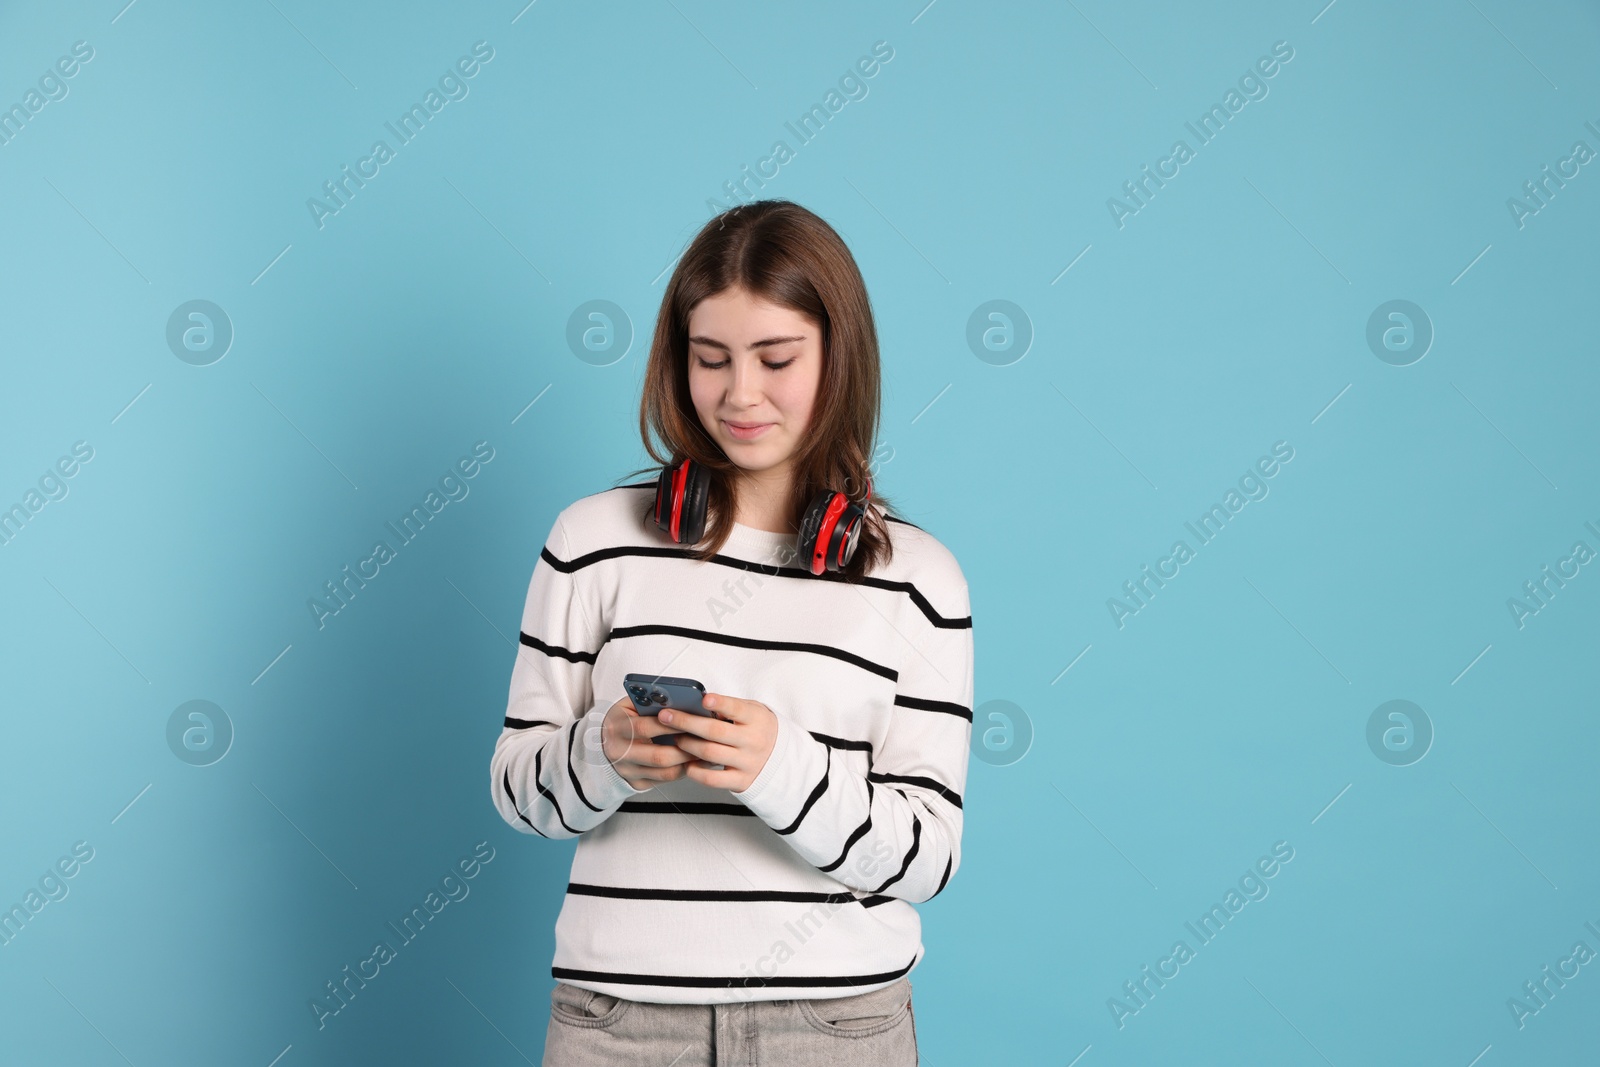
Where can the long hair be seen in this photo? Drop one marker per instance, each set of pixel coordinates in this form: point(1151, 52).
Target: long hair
point(784, 254)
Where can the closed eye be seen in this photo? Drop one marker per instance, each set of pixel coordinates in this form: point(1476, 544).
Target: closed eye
point(724, 363)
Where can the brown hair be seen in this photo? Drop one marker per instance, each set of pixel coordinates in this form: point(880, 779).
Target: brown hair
point(786, 255)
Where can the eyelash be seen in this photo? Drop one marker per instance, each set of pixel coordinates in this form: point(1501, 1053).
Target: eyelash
point(724, 363)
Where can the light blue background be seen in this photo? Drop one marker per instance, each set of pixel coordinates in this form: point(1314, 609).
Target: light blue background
point(1228, 314)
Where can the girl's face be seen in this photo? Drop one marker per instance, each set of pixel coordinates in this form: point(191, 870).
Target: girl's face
point(754, 368)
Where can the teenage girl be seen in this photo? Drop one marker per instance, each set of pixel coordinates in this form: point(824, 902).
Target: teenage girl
point(743, 885)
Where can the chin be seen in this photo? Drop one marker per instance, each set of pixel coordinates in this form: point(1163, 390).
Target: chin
point(752, 459)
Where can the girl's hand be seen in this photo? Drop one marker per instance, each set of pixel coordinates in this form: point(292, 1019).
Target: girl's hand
point(625, 739)
point(740, 738)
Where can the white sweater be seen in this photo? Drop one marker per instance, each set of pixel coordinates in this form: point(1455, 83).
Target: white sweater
point(803, 884)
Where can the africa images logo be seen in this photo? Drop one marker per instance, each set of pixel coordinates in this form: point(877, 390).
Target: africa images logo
point(452, 86)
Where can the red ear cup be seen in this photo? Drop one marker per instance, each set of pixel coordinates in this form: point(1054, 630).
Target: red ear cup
point(681, 492)
point(829, 532)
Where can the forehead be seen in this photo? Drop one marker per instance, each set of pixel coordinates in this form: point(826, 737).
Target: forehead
point(736, 317)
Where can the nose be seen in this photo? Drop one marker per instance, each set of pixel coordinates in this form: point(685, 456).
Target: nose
point(745, 392)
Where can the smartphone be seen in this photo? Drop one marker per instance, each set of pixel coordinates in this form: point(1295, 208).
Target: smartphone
point(652, 692)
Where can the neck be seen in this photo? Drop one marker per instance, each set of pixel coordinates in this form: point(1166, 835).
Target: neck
point(761, 499)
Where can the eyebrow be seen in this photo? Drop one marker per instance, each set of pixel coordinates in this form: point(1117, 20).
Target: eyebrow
point(767, 342)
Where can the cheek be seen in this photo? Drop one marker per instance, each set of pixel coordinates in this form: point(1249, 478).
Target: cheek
point(797, 396)
point(700, 392)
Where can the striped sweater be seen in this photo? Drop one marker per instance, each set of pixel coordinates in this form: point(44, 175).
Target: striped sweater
point(801, 885)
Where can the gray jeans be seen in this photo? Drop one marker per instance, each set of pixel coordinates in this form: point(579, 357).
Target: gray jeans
point(589, 1029)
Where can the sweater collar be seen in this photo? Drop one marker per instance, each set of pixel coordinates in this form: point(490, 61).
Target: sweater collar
point(764, 545)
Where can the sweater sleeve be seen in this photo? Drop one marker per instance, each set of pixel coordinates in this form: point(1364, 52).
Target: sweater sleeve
point(548, 774)
point(887, 821)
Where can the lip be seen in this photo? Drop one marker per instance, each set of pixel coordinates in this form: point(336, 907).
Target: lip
point(747, 431)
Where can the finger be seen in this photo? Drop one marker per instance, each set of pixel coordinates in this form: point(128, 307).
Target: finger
point(646, 727)
point(708, 751)
point(733, 709)
point(653, 755)
point(701, 725)
point(651, 759)
point(650, 726)
point(644, 777)
point(649, 778)
point(707, 765)
point(702, 773)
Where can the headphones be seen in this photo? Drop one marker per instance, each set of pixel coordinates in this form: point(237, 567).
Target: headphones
point(829, 531)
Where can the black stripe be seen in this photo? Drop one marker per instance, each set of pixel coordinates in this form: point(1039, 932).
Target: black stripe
point(759, 645)
point(948, 864)
point(712, 636)
point(644, 893)
point(916, 843)
point(538, 774)
point(916, 779)
point(506, 783)
point(963, 622)
point(922, 602)
point(600, 555)
point(730, 982)
point(683, 807)
point(821, 788)
point(572, 739)
point(857, 834)
point(523, 724)
point(840, 742)
point(557, 650)
point(874, 901)
point(925, 704)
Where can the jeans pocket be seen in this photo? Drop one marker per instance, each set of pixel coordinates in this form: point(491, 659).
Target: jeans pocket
point(585, 1007)
point(862, 1015)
